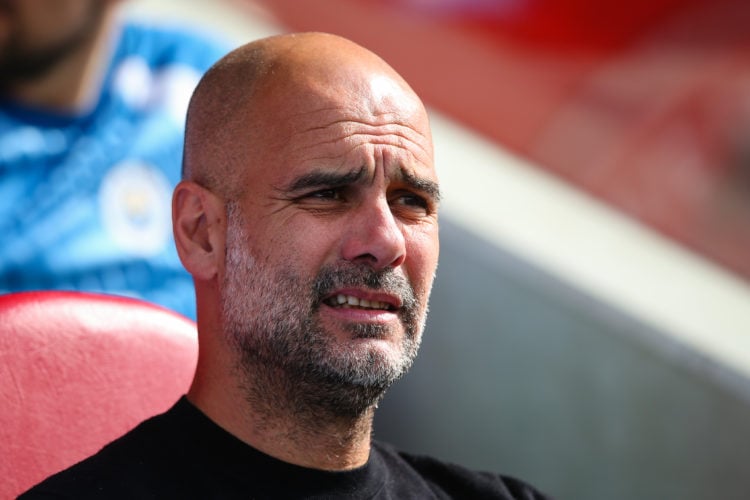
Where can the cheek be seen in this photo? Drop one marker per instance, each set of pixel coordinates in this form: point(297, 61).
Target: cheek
point(304, 247)
point(422, 251)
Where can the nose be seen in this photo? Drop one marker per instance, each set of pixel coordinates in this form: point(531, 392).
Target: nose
point(374, 237)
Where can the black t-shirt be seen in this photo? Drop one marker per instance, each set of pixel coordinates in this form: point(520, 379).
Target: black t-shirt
point(183, 454)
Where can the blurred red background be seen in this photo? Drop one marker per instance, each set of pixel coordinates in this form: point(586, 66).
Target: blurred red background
point(644, 104)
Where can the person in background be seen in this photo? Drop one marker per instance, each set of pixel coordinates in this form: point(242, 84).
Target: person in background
point(308, 218)
point(91, 126)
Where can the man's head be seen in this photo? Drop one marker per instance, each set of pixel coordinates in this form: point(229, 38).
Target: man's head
point(308, 218)
point(36, 35)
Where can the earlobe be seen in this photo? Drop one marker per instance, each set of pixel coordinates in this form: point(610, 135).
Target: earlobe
point(197, 222)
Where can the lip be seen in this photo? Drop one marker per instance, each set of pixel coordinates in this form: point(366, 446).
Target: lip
point(361, 314)
point(392, 300)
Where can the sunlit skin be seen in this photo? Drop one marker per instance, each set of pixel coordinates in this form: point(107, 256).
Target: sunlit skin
point(331, 164)
point(356, 185)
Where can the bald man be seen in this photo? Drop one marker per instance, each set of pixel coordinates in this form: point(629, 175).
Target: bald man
point(307, 216)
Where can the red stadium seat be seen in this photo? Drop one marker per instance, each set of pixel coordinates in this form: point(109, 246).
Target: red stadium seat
point(76, 371)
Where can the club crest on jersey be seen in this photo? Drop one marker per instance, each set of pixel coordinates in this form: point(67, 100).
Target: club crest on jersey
point(135, 201)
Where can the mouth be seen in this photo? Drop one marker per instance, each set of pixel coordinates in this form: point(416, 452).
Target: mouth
point(346, 301)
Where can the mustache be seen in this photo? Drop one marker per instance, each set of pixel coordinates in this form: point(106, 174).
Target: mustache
point(386, 280)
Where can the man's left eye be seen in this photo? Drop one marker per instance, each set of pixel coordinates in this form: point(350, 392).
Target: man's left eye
point(413, 201)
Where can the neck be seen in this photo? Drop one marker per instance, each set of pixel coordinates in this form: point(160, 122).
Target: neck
point(75, 83)
point(275, 416)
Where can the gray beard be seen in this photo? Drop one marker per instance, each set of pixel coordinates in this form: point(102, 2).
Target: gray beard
point(288, 361)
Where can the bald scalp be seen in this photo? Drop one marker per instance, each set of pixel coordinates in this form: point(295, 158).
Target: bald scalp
point(217, 116)
point(223, 124)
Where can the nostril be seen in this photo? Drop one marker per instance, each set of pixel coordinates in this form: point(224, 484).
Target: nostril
point(366, 257)
point(398, 260)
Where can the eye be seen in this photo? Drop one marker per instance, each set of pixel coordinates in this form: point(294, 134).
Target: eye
point(325, 194)
point(329, 198)
point(412, 202)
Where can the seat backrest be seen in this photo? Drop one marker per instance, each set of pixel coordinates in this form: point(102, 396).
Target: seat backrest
point(78, 370)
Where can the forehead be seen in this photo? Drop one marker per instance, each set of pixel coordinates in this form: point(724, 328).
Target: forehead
point(341, 142)
point(347, 132)
point(355, 125)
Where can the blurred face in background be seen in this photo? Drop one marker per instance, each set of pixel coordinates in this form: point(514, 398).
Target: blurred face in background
point(36, 35)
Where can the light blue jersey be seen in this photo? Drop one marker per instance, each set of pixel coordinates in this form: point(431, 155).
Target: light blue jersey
point(85, 200)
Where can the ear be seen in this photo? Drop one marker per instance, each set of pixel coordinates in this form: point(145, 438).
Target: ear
point(199, 226)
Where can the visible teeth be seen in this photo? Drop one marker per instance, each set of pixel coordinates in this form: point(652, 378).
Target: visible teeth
point(349, 301)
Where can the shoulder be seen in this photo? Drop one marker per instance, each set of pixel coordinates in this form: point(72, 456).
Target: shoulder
point(163, 45)
point(122, 468)
point(448, 480)
point(152, 73)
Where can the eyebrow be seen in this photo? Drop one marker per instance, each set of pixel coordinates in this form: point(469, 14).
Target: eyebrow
point(421, 184)
point(323, 179)
point(326, 179)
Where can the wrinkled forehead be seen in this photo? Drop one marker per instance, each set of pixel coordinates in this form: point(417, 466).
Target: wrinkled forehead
point(331, 133)
point(340, 103)
point(334, 107)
